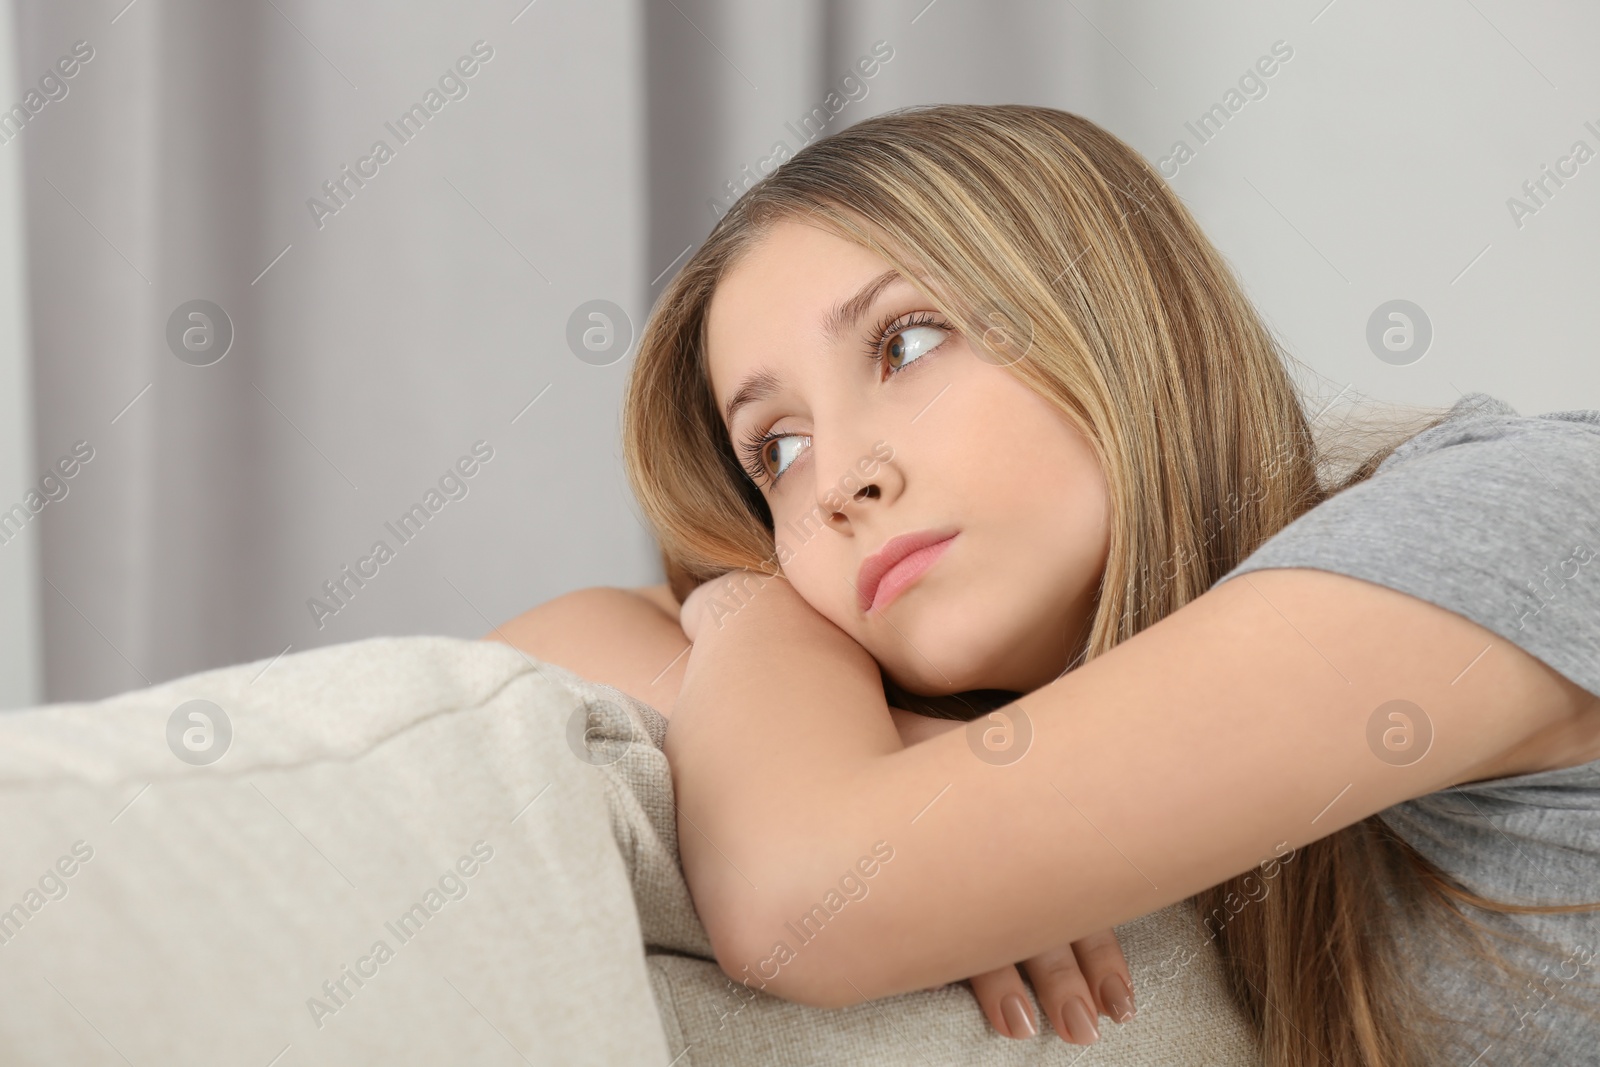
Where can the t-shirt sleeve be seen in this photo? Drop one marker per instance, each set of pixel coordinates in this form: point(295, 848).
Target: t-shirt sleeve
point(1490, 514)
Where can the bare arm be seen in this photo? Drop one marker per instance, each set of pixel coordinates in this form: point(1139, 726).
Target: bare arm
point(625, 638)
point(630, 639)
point(1184, 756)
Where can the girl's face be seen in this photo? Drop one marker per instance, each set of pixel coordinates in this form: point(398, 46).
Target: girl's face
point(865, 419)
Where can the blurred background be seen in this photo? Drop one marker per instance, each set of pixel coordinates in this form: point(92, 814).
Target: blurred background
point(240, 342)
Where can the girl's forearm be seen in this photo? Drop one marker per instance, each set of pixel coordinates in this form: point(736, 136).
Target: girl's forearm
point(778, 712)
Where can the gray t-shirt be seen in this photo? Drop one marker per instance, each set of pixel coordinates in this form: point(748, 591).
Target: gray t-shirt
point(1494, 516)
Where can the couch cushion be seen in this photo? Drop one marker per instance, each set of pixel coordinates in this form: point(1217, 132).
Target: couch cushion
point(426, 850)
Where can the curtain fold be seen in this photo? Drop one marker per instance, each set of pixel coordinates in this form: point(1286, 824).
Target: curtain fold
point(22, 485)
point(374, 345)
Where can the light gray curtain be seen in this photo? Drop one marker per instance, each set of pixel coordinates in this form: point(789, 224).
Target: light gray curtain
point(736, 88)
point(375, 345)
point(372, 348)
point(20, 681)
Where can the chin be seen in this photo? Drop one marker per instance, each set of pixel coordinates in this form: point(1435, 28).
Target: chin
point(958, 647)
point(958, 665)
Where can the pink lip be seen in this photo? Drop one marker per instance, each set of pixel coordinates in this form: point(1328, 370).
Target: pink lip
point(901, 561)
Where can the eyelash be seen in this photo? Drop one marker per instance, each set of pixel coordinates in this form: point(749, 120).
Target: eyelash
point(755, 440)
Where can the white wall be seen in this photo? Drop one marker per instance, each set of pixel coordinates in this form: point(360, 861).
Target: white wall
point(1376, 167)
point(1379, 166)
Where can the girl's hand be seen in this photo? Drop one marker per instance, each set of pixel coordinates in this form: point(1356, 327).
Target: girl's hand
point(1074, 985)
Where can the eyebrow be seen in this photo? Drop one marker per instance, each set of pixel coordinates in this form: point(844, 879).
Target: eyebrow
point(757, 386)
point(763, 384)
point(842, 317)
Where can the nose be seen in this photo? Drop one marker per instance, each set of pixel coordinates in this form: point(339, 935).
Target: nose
point(848, 508)
point(853, 478)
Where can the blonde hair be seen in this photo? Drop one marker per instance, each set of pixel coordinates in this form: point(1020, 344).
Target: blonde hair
point(1065, 257)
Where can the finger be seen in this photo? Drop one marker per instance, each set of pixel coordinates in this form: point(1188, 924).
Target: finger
point(1004, 1000)
point(1064, 995)
point(1106, 972)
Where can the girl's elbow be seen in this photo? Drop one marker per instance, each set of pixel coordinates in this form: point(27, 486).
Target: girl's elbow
point(767, 957)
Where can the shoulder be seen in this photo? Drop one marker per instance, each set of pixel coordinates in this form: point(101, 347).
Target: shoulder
point(625, 638)
point(1479, 416)
point(1483, 440)
point(661, 596)
point(1491, 515)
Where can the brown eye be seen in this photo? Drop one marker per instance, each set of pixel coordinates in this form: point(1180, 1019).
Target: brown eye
point(911, 344)
point(897, 350)
point(779, 453)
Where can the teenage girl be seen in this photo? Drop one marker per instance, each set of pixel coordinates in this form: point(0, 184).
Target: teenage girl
point(997, 528)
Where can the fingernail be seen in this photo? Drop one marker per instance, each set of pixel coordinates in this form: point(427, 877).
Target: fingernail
point(1118, 997)
point(1019, 1020)
point(1080, 1022)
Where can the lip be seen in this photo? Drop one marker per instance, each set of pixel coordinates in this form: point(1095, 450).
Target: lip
point(926, 545)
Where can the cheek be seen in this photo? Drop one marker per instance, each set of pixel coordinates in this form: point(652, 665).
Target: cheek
point(1028, 468)
point(997, 447)
point(1070, 498)
point(1047, 455)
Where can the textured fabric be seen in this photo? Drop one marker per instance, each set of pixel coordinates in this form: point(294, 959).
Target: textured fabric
point(177, 914)
point(206, 906)
point(1494, 516)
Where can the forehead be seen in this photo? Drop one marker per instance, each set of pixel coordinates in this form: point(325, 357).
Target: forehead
point(769, 307)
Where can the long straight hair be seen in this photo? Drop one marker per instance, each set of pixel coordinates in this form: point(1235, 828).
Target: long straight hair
point(1065, 257)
